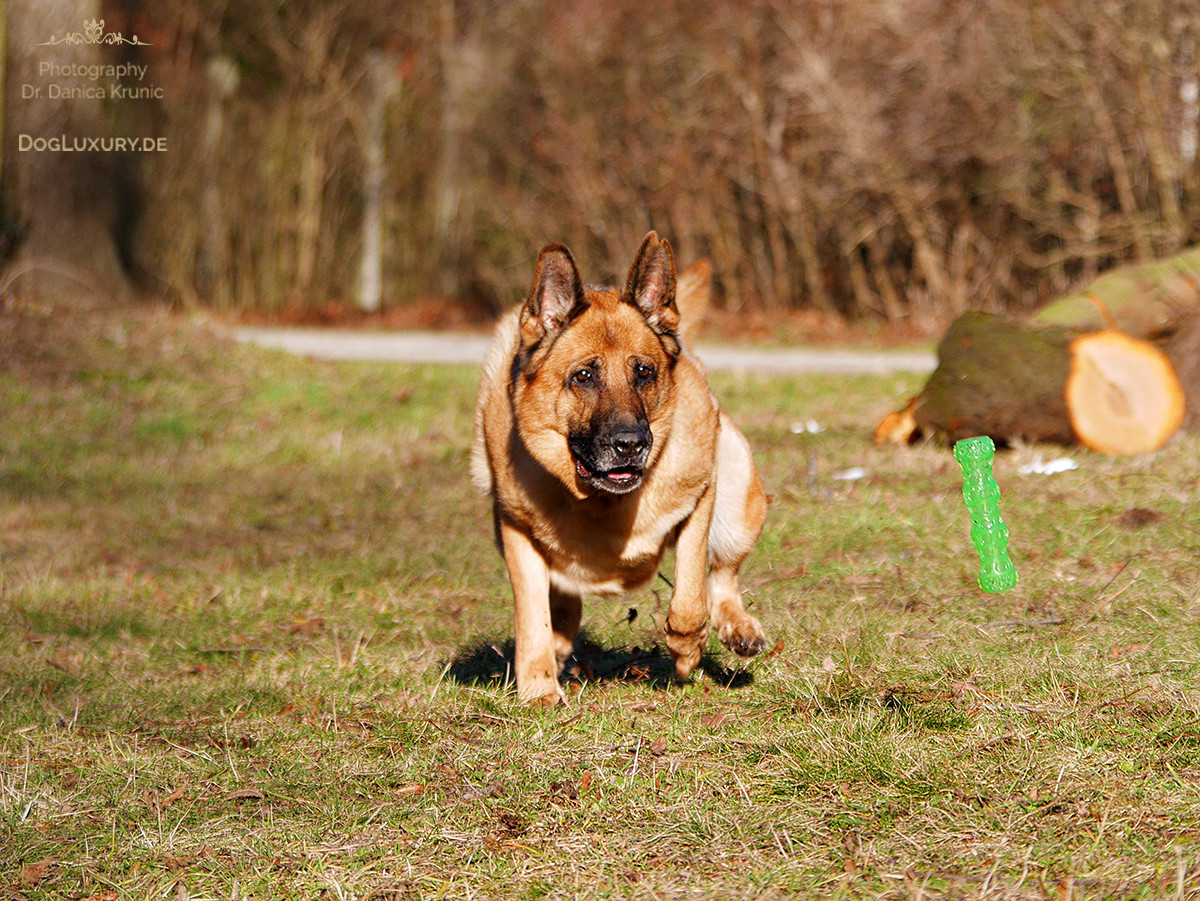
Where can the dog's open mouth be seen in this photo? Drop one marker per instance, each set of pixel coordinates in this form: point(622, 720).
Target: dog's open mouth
point(617, 481)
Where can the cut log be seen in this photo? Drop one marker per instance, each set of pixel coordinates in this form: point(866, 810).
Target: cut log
point(1183, 349)
point(997, 378)
point(1122, 394)
point(1144, 299)
point(1014, 382)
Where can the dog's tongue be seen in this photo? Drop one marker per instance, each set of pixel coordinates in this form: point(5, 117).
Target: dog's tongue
point(617, 477)
point(620, 478)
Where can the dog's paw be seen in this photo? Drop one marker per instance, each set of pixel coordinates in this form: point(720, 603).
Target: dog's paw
point(686, 650)
point(743, 635)
point(541, 693)
point(685, 664)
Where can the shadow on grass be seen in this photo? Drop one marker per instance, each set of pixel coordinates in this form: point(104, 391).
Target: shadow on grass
point(591, 662)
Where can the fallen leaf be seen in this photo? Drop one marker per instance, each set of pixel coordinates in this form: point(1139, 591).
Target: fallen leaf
point(245, 794)
point(33, 873)
point(158, 803)
point(828, 665)
point(308, 626)
point(512, 823)
point(775, 650)
point(178, 862)
point(658, 747)
point(1137, 517)
point(566, 789)
point(638, 673)
point(1117, 651)
point(712, 720)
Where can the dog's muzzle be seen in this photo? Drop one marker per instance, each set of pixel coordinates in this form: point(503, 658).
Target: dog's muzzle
point(613, 459)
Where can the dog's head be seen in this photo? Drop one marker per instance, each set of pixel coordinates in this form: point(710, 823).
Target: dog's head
point(593, 379)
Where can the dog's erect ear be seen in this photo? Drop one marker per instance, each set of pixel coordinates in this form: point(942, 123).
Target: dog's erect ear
point(651, 284)
point(557, 293)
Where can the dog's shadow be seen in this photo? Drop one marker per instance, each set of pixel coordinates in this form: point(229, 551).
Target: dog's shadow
point(591, 662)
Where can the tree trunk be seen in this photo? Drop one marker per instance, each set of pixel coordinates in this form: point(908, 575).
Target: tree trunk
point(382, 84)
point(63, 202)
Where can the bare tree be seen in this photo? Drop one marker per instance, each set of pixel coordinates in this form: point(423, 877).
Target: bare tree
point(58, 178)
point(874, 159)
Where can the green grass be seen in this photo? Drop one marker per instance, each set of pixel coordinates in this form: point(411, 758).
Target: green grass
point(253, 638)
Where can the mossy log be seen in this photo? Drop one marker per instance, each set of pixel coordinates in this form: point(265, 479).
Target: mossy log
point(1182, 347)
point(1127, 348)
point(999, 379)
point(1143, 300)
point(1016, 382)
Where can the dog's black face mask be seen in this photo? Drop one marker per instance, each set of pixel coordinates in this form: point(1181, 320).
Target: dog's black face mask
point(611, 454)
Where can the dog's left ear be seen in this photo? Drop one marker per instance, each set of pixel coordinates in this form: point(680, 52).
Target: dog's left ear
point(651, 284)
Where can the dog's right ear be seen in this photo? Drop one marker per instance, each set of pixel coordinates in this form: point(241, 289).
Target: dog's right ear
point(557, 295)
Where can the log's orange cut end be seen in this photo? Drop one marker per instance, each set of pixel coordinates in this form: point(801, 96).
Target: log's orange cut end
point(1123, 396)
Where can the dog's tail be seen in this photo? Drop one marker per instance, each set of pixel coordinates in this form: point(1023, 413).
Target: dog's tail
point(693, 291)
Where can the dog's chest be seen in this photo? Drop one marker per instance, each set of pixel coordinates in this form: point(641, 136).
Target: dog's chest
point(613, 553)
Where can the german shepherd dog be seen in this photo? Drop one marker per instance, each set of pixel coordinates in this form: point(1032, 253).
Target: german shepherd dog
point(601, 444)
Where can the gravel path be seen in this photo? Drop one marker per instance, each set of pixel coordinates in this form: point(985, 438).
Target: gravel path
point(443, 347)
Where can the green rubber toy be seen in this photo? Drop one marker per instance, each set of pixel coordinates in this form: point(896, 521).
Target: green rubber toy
point(989, 534)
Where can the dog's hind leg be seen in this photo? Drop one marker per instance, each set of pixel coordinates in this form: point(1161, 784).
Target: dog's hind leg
point(566, 612)
point(740, 510)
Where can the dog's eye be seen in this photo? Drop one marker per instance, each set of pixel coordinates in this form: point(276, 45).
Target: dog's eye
point(643, 372)
point(583, 377)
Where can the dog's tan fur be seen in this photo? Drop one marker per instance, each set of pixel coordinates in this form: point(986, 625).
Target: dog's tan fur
point(572, 363)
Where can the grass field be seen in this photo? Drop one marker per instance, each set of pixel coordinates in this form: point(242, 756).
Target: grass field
point(254, 638)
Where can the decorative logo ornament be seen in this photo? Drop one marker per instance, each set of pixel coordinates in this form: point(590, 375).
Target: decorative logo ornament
point(93, 33)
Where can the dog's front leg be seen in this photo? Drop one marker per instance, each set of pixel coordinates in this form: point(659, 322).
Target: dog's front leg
point(536, 661)
point(687, 617)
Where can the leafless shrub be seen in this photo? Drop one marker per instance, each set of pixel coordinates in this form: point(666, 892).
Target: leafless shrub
point(883, 158)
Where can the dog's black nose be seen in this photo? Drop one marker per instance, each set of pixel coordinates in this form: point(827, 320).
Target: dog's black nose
point(630, 444)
